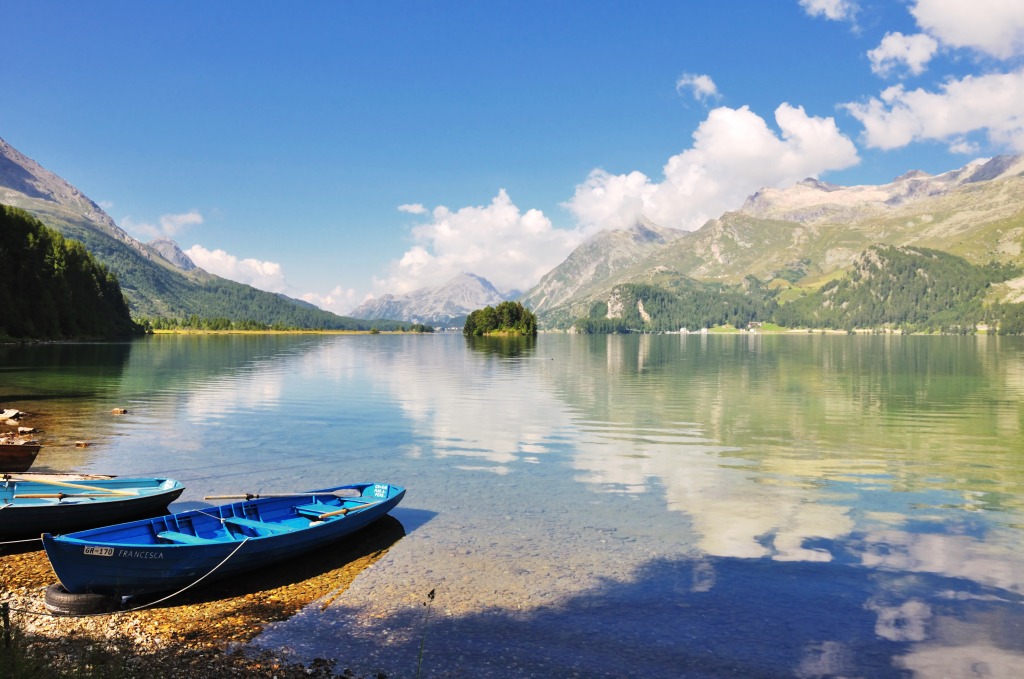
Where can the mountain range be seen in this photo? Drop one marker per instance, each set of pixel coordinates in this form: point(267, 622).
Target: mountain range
point(445, 306)
point(798, 238)
point(792, 240)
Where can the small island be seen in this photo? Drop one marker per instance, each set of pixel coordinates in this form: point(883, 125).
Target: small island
point(508, 318)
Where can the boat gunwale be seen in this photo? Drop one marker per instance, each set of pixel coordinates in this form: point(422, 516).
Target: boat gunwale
point(115, 487)
point(238, 510)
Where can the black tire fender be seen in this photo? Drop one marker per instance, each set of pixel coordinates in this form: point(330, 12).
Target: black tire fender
point(62, 602)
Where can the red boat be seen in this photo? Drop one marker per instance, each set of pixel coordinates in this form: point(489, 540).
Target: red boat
point(17, 455)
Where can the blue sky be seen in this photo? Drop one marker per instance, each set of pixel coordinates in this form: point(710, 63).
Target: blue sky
point(334, 150)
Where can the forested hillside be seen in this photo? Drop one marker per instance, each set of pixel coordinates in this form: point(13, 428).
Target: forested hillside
point(155, 289)
point(906, 289)
point(915, 289)
point(52, 288)
point(153, 286)
point(649, 308)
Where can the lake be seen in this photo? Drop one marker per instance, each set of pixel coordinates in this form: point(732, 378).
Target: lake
point(602, 506)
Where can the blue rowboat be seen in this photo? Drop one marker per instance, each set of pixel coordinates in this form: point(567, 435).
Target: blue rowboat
point(36, 503)
point(171, 552)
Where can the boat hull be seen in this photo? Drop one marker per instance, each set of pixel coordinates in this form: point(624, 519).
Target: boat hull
point(22, 517)
point(139, 557)
point(17, 457)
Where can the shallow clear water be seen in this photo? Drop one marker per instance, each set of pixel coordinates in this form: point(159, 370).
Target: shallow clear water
point(648, 506)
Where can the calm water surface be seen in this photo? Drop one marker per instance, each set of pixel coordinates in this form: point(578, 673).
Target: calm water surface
point(653, 506)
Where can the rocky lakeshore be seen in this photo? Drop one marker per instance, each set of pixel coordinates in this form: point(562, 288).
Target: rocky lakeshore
point(199, 633)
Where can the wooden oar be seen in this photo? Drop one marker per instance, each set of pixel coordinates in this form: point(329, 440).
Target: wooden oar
point(344, 492)
point(59, 496)
point(344, 511)
point(78, 486)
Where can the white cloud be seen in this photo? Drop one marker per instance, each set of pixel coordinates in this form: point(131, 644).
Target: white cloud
point(511, 249)
point(413, 209)
point(965, 147)
point(611, 201)
point(911, 51)
point(263, 275)
point(172, 225)
point(168, 226)
point(733, 155)
point(339, 300)
point(993, 27)
point(835, 10)
point(701, 86)
point(992, 104)
point(268, 276)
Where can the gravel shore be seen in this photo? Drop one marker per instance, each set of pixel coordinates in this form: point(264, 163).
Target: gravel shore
point(199, 633)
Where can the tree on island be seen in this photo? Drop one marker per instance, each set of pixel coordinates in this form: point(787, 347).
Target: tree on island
point(508, 318)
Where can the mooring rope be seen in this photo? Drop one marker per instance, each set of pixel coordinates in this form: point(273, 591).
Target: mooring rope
point(47, 614)
point(15, 542)
point(191, 585)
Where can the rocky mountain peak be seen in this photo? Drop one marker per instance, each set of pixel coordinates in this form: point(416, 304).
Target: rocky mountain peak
point(912, 174)
point(19, 174)
point(596, 259)
point(812, 200)
point(813, 183)
point(997, 168)
point(446, 305)
point(170, 251)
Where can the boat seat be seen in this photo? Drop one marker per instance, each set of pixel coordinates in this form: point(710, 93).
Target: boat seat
point(257, 525)
point(315, 510)
point(183, 538)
